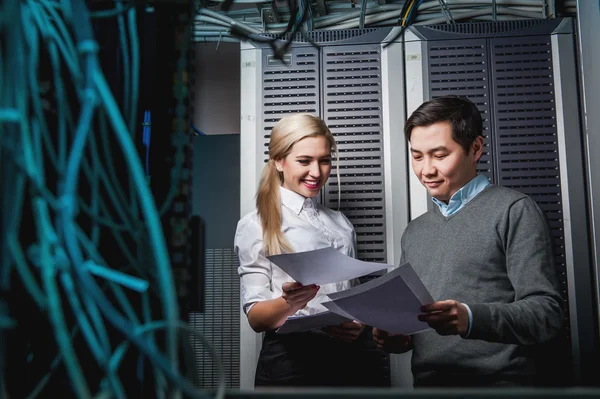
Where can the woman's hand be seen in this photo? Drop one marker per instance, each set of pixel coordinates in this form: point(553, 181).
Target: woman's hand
point(271, 314)
point(297, 295)
point(347, 331)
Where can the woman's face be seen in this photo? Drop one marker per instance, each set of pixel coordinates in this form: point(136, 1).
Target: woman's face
point(307, 167)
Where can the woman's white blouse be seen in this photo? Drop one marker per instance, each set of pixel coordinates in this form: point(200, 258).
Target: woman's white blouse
point(307, 225)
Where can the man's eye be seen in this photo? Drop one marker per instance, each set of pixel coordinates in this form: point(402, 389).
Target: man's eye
point(441, 156)
point(417, 158)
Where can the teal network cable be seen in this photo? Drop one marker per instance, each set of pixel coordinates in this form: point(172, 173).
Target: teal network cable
point(75, 147)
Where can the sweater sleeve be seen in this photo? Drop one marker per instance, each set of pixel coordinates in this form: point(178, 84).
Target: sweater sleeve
point(536, 314)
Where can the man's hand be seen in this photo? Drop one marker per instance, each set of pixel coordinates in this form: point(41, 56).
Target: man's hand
point(297, 295)
point(446, 317)
point(391, 343)
point(346, 332)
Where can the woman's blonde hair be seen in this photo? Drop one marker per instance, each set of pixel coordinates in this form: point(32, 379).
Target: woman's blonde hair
point(288, 131)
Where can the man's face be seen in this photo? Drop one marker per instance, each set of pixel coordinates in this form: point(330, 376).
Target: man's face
point(439, 162)
point(307, 166)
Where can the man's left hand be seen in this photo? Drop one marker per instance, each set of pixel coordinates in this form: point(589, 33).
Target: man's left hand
point(347, 331)
point(446, 317)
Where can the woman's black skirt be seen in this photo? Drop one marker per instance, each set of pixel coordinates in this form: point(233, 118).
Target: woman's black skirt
point(316, 359)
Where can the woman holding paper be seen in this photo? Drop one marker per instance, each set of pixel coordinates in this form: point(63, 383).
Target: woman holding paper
point(288, 219)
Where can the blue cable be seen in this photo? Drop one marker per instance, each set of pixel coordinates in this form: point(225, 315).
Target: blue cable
point(414, 9)
point(75, 277)
point(146, 138)
point(198, 131)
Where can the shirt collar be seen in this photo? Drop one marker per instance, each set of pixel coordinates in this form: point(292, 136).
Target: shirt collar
point(463, 196)
point(295, 201)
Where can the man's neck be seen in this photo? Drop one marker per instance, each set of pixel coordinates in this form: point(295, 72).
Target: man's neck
point(467, 192)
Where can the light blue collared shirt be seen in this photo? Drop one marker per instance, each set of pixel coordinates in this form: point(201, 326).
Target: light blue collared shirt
point(458, 200)
point(463, 196)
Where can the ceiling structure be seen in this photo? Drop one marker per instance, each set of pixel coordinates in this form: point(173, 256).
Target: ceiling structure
point(248, 18)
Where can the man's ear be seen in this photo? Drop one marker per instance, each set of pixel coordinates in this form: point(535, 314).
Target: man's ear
point(477, 147)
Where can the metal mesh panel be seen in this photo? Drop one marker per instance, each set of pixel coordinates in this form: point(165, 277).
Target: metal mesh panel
point(525, 121)
point(481, 30)
point(485, 28)
point(324, 36)
point(460, 68)
point(289, 88)
point(220, 324)
point(352, 109)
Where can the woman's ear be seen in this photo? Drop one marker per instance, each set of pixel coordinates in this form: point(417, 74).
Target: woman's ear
point(279, 165)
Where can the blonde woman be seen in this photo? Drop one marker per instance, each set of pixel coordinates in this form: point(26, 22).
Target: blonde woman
point(288, 218)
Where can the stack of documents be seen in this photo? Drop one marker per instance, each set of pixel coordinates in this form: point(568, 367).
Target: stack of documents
point(391, 302)
point(312, 322)
point(323, 266)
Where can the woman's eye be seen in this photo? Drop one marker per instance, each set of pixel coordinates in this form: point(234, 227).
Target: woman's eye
point(326, 161)
point(303, 162)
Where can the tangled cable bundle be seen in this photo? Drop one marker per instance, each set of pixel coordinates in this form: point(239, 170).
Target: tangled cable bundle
point(58, 121)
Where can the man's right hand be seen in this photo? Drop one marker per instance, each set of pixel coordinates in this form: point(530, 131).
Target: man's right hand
point(391, 343)
point(297, 295)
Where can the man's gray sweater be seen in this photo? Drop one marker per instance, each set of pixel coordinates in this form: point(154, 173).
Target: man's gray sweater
point(495, 255)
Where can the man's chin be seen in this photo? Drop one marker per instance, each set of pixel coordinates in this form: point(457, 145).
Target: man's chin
point(432, 193)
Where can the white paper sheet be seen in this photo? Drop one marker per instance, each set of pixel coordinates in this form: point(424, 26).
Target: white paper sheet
point(391, 302)
point(311, 322)
point(323, 266)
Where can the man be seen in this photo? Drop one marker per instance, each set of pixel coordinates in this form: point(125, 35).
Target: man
point(485, 254)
